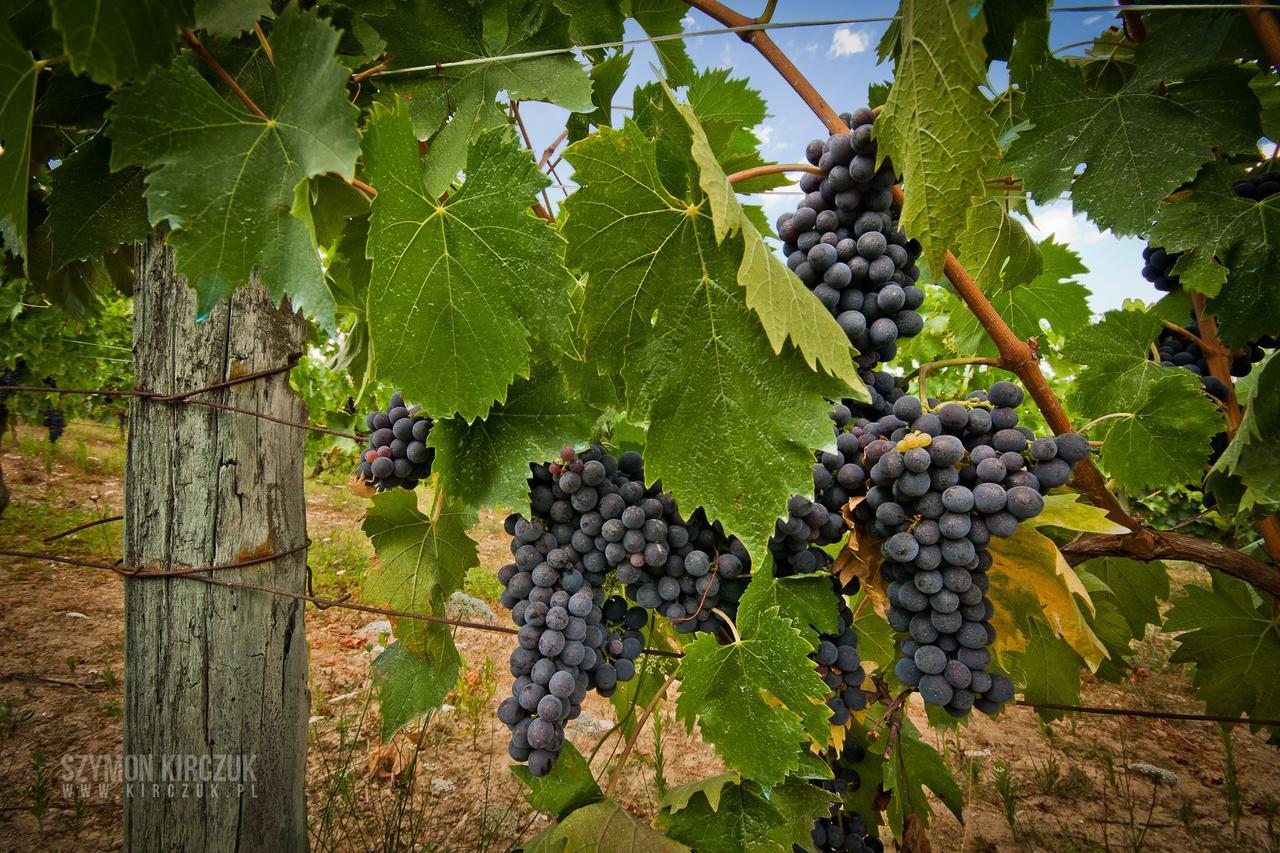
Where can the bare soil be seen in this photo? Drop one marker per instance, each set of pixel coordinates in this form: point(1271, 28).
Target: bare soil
point(1082, 784)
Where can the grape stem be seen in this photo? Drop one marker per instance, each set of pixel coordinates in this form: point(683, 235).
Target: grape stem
point(772, 169)
point(193, 42)
point(1266, 28)
point(923, 371)
point(724, 617)
point(262, 40)
point(616, 773)
point(1186, 333)
point(1016, 355)
point(1097, 421)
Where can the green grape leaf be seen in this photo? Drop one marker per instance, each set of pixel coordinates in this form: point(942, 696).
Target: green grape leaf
point(758, 699)
point(1211, 220)
point(1252, 454)
point(18, 73)
point(115, 42)
point(807, 600)
point(724, 814)
point(92, 210)
point(593, 21)
point(729, 110)
point(996, 249)
point(459, 287)
point(334, 203)
point(1166, 422)
point(411, 684)
point(936, 103)
point(230, 17)
point(1003, 19)
point(486, 463)
point(909, 768)
point(568, 787)
point(875, 638)
point(1233, 640)
point(601, 827)
point(1166, 438)
point(664, 18)
point(420, 562)
point(606, 77)
point(704, 358)
point(1048, 670)
point(243, 212)
point(452, 106)
point(1140, 138)
point(1138, 588)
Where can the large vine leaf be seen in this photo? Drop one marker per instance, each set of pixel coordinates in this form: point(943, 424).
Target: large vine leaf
point(92, 210)
point(229, 182)
point(17, 105)
point(1112, 629)
point(725, 814)
point(758, 699)
point(598, 828)
point(568, 787)
point(1141, 137)
point(664, 305)
point(115, 42)
point(1232, 638)
point(1220, 229)
point(1252, 455)
point(458, 287)
point(936, 103)
point(452, 106)
point(1165, 423)
point(230, 17)
point(486, 463)
point(910, 766)
point(421, 561)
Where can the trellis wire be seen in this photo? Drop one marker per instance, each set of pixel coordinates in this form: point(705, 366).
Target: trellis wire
point(780, 25)
point(192, 573)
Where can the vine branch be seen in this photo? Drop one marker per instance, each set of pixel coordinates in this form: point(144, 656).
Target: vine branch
point(193, 42)
point(772, 169)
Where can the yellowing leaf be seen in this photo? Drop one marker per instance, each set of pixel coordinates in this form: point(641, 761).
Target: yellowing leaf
point(1030, 577)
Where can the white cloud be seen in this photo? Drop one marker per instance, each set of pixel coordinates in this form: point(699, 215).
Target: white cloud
point(687, 22)
point(811, 47)
point(1056, 219)
point(763, 132)
point(848, 42)
point(1091, 20)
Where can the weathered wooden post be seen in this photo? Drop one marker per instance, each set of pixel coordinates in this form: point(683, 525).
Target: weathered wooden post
point(215, 678)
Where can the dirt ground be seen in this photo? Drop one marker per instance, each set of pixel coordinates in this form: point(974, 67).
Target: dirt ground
point(1092, 783)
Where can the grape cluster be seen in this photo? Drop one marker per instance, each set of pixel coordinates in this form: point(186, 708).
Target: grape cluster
point(1258, 186)
point(843, 830)
point(1158, 268)
point(1178, 350)
point(944, 481)
point(571, 637)
point(839, 663)
point(56, 422)
point(845, 244)
point(398, 454)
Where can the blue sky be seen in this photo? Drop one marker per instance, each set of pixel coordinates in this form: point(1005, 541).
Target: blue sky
point(840, 61)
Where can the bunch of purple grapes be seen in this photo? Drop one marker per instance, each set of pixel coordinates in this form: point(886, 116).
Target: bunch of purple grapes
point(844, 242)
point(945, 480)
point(397, 454)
